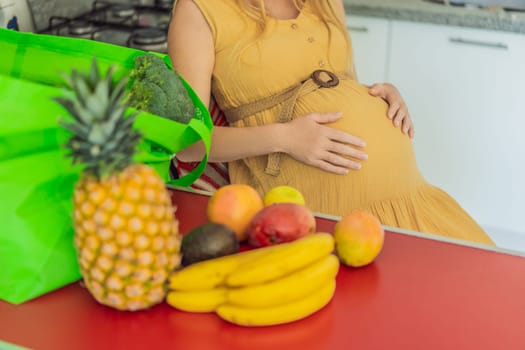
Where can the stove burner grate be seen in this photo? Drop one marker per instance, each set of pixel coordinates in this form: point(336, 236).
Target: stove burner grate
point(139, 26)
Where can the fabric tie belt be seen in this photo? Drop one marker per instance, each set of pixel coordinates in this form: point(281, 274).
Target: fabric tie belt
point(318, 79)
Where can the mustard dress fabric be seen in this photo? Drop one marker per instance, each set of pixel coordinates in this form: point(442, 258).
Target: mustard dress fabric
point(250, 66)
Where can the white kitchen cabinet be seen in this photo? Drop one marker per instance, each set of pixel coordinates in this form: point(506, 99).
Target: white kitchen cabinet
point(465, 89)
point(369, 38)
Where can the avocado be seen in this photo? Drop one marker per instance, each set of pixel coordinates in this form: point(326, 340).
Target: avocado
point(208, 241)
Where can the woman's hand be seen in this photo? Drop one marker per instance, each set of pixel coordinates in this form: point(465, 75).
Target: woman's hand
point(309, 141)
point(397, 110)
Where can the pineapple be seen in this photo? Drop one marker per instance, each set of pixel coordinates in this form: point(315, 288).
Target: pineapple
point(126, 234)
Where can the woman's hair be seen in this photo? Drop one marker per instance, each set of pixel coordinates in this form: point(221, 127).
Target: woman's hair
point(324, 9)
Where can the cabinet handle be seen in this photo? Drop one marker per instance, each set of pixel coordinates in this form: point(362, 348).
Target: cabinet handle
point(492, 45)
point(357, 29)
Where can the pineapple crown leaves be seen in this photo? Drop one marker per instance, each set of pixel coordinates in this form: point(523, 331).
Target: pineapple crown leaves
point(103, 140)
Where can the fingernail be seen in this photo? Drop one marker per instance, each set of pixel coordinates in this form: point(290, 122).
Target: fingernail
point(396, 123)
point(363, 156)
point(356, 166)
point(362, 144)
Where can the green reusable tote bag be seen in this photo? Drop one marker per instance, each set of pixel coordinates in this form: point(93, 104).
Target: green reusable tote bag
point(43, 58)
point(36, 179)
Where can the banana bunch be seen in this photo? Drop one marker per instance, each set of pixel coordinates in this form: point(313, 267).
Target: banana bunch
point(261, 287)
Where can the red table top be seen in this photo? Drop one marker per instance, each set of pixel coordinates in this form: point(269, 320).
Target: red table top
point(419, 294)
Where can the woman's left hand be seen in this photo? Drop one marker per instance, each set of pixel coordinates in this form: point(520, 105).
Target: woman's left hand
point(397, 110)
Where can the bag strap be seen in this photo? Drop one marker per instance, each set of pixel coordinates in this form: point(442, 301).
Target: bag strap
point(288, 97)
point(164, 137)
point(205, 135)
point(172, 136)
point(18, 59)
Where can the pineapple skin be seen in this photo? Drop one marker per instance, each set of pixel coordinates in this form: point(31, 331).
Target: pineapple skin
point(126, 236)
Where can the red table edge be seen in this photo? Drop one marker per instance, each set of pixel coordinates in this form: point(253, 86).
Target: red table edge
point(391, 229)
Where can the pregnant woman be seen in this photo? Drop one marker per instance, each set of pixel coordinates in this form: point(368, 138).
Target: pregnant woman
point(282, 72)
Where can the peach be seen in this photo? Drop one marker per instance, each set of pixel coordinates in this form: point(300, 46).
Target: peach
point(359, 238)
point(235, 206)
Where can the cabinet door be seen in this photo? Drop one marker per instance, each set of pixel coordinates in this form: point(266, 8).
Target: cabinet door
point(369, 38)
point(465, 91)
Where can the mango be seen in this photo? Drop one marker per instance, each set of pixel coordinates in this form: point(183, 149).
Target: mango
point(235, 206)
point(359, 238)
point(279, 223)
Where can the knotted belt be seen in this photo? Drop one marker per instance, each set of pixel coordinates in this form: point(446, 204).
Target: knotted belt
point(288, 98)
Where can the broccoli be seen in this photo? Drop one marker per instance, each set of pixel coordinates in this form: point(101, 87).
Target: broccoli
point(159, 90)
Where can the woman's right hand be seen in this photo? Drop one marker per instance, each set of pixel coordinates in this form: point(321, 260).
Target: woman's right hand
point(309, 141)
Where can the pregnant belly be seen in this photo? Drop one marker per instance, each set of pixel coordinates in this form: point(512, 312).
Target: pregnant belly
point(391, 168)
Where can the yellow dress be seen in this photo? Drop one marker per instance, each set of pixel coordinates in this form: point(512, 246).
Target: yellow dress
point(250, 66)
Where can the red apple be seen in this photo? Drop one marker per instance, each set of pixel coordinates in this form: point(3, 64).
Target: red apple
point(279, 223)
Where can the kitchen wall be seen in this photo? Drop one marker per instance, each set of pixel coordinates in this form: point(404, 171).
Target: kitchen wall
point(446, 50)
point(44, 9)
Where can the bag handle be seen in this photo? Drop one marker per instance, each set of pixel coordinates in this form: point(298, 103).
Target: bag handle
point(163, 138)
point(167, 134)
point(205, 135)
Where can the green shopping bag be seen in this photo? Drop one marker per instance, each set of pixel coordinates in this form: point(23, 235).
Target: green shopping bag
point(42, 59)
point(36, 179)
point(36, 240)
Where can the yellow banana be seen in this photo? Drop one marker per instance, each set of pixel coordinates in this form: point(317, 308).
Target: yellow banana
point(278, 314)
point(211, 273)
point(292, 287)
point(291, 257)
point(197, 301)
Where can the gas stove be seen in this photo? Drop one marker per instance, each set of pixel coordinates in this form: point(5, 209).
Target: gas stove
point(141, 25)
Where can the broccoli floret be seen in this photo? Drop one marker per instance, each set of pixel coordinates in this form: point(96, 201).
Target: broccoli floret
point(159, 90)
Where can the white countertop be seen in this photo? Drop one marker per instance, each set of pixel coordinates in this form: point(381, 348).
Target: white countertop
point(425, 11)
